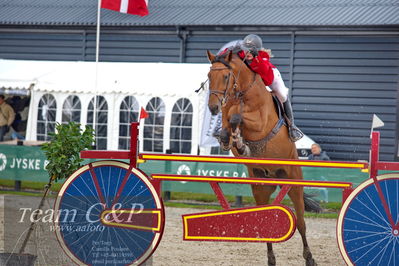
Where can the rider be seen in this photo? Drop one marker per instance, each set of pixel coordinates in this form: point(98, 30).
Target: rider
point(258, 59)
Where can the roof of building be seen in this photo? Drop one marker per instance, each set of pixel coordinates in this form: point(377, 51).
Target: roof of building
point(207, 12)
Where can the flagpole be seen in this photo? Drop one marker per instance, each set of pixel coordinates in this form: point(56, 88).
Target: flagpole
point(98, 32)
point(96, 66)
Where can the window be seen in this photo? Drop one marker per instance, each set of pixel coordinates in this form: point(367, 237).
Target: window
point(46, 117)
point(101, 120)
point(129, 112)
point(153, 126)
point(71, 110)
point(181, 126)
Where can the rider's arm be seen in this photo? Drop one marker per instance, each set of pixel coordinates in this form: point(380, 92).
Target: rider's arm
point(261, 65)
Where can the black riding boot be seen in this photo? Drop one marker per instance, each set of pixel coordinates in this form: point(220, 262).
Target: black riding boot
point(294, 132)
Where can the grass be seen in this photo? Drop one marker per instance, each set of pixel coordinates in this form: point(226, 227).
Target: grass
point(178, 199)
point(21, 193)
point(28, 185)
point(333, 215)
point(192, 206)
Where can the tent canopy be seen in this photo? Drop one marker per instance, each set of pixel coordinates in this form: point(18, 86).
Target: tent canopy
point(163, 79)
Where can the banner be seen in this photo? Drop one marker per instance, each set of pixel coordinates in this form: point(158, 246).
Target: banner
point(210, 126)
point(23, 163)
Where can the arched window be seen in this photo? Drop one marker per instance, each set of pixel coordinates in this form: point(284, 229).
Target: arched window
point(46, 117)
point(153, 126)
point(181, 126)
point(129, 112)
point(101, 120)
point(71, 109)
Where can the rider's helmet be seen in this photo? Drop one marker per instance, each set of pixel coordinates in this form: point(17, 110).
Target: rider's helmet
point(252, 43)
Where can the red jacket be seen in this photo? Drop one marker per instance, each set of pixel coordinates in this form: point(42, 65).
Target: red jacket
point(262, 66)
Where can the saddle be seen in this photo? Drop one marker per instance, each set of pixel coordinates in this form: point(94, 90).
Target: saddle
point(279, 108)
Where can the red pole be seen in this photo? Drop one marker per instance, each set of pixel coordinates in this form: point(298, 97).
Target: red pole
point(374, 153)
point(280, 196)
point(134, 141)
point(219, 194)
point(345, 193)
point(374, 158)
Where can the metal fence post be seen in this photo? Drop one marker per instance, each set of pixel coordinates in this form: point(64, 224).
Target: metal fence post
point(168, 168)
point(18, 183)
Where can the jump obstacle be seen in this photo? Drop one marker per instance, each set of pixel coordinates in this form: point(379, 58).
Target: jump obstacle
point(107, 184)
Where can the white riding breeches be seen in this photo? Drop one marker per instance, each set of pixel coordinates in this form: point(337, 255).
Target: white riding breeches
point(278, 86)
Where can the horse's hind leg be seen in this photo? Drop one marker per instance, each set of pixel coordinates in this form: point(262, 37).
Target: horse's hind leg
point(296, 195)
point(262, 196)
point(271, 259)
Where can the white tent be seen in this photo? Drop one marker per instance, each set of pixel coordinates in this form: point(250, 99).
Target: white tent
point(144, 81)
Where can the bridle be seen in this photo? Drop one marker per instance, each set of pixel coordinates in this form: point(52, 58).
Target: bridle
point(223, 96)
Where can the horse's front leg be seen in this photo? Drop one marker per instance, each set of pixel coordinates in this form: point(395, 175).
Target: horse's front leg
point(225, 139)
point(238, 141)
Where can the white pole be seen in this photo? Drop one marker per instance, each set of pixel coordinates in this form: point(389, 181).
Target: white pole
point(98, 32)
point(97, 60)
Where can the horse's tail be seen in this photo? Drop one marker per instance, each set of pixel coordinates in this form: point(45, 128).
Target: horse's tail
point(311, 205)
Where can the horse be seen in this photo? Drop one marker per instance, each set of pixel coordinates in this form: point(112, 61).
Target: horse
point(252, 127)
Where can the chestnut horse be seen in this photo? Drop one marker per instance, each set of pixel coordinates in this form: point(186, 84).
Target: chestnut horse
point(251, 127)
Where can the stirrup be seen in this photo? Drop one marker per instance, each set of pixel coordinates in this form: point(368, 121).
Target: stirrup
point(295, 133)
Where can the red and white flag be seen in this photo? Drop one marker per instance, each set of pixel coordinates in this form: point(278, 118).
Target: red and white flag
point(134, 7)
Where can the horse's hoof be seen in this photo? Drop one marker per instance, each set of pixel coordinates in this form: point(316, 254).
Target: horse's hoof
point(225, 147)
point(271, 260)
point(235, 121)
point(311, 262)
point(225, 137)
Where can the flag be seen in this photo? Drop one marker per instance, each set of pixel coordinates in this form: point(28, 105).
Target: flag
point(143, 114)
point(377, 122)
point(211, 124)
point(133, 7)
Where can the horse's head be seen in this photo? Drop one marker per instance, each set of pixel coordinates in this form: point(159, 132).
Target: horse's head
point(225, 76)
point(221, 80)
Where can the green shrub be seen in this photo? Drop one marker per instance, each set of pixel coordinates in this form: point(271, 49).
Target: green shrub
point(63, 151)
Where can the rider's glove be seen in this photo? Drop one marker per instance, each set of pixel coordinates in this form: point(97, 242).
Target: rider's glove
point(254, 52)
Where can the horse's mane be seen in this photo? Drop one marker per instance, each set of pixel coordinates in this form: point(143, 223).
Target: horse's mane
point(235, 55)
point(221, 59)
